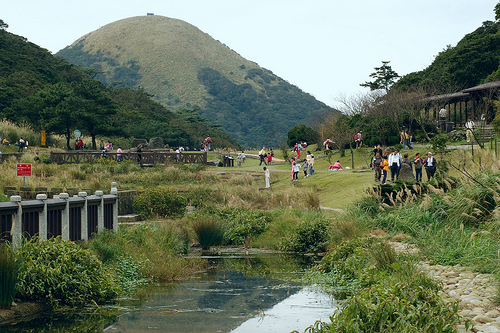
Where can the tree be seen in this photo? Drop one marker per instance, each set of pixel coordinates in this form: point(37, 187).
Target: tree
point(302, 133)
point(56, 113)
point(384, 77)
point(3, 25)
point(497, 11)
point(94, 108)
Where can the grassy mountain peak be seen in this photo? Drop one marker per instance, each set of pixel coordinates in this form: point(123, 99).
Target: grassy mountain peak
point(185, 68)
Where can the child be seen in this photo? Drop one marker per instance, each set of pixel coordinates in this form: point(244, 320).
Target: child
point(305, 167)
point(384, 165)
point(270, 157)
point(238, 160)
point(267, 177)
point(295, 171)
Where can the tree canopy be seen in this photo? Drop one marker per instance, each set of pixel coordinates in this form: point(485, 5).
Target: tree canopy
point(384, 77)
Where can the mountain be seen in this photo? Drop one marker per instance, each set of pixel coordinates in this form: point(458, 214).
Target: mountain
point(473, 61)
point(48, 93)
point(185, 68)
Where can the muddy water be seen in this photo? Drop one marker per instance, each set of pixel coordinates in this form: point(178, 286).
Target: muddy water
point(239, 293)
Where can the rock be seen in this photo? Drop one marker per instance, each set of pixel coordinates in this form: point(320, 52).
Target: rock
point(156, 143)
point(482, 319)
point(406, 173)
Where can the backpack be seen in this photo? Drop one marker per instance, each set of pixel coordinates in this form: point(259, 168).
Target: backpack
point(355, 137)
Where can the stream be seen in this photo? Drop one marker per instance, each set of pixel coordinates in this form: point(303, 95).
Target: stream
point(239, 293)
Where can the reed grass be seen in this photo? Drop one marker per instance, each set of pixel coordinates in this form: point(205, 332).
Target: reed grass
point(209, 231)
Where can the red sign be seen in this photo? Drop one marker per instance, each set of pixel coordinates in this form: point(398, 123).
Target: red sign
point(24, 170)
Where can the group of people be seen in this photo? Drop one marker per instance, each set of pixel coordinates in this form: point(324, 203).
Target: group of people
point(392, 161)
point(205, 144)
point(21, 143)
point(107, 147)
point(79, 145)
point(298, 147)
point(406, 140)
point(265, 157)
point(307, 166)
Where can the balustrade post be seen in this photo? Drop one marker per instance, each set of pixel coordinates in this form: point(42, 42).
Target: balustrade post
point(114, 191)
point(65, 216)
point(84, 224)
point(42, 218)
point(100, 212)
point(16, 231)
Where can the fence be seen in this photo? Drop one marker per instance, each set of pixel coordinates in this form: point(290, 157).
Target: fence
point(143, 158)
point(72, 218)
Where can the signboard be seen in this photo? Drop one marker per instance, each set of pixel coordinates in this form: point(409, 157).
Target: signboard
point(43, 138)
point(77, 133)
point(24, 170)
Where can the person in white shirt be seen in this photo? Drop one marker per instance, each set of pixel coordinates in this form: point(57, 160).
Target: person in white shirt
point(267, 176)
point(430, 166)
point(469, 126)
point(395, 164)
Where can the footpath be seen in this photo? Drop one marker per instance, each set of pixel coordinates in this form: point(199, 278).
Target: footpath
point(473, 291)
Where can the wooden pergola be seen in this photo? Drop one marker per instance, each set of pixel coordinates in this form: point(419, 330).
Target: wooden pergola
point(464, 98)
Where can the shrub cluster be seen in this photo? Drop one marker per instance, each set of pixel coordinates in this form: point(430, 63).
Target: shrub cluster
point(239, 224)
point(309, 236)
point(161, 202)
point(57, 273)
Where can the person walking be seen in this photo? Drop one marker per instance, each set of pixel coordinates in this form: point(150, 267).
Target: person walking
point(119, 154)
point(262, 156)
point(310, 162)
point(384, 165)
point(469, 126)
point(295, 170)
point(377, 160)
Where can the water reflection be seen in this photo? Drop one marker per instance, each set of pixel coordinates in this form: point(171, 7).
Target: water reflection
point(238, 294)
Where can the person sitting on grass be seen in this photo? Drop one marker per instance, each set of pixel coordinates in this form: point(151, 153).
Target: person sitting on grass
point(335, 167)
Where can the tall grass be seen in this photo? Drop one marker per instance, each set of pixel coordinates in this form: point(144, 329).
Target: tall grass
point(8, 276)
point(209, 231)
point(154, 248)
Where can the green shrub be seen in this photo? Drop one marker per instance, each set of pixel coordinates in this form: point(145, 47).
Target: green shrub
point(239, 224)
point(105, 245)
point(3, 198)
point(209, 232)
point(409, 306)
point(160, 202)
point(57, 272)
point(8, 276)
point(309, 236)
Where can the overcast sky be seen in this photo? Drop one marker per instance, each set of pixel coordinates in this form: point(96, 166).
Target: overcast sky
point(325, 47)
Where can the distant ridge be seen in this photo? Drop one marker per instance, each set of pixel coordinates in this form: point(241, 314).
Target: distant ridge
point(185, 68)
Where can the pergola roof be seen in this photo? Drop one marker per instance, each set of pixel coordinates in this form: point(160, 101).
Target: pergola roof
point(464, 94)
point(483, 87)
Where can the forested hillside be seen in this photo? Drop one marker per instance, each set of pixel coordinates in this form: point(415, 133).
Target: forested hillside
point(184, 68)
point(49, 93)
point(474, 60)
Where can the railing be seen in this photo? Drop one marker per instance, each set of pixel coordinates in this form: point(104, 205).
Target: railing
point(72, 218)
point(143, 158)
